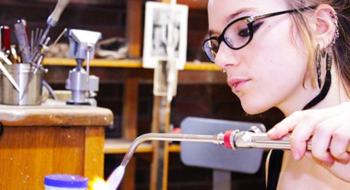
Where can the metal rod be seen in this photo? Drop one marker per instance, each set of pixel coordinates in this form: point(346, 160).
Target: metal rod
point(216, 139)
point(117, 175)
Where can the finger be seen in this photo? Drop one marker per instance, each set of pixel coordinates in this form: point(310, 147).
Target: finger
point(285, 126)
point(289, 123)
point(339, 144)
point(300, 137)
point(321, 140)
point(308, 155)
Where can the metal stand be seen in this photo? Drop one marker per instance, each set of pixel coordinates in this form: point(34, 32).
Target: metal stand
point(82, 85)
point(221, 180)
point(165, 86)
point(161, 124)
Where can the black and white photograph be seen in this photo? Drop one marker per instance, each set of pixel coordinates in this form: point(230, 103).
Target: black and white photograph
point(165, 34)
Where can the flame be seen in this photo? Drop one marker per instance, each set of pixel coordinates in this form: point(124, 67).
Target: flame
point(99, 184)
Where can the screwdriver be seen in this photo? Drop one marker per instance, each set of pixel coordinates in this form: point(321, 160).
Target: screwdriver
point(51, 22)
point(22, 39)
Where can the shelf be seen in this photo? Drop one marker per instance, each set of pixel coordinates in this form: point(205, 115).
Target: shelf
point(195, 4)
point(127, 63)
point(124, 63)
point(121, 146)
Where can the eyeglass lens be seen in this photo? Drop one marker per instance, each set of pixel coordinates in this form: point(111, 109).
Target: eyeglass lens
point(236, 36)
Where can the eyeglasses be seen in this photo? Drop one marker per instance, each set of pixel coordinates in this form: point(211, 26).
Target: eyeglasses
point(238, 33)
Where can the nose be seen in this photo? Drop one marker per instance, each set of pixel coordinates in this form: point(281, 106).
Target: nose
point(225, 57)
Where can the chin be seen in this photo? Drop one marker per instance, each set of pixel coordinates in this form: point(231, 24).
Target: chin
point(252, 109)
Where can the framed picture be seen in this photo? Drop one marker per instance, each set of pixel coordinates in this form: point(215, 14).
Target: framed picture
point(165, 31)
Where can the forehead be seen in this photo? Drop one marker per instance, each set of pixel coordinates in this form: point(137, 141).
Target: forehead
point(222, 11)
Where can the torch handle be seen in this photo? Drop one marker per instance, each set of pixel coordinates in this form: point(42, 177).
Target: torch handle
point(247, 139)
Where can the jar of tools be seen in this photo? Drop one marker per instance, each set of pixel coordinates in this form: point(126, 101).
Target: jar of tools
point(22, 85)
point(65, 182)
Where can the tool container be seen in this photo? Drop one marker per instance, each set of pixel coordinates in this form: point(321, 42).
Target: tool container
point(29, 81)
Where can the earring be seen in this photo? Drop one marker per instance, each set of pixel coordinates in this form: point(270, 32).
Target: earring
point(329, 60)
point(318, 64)
point(336, 34)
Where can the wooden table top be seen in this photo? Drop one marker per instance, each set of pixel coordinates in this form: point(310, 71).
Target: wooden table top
point(55, 115)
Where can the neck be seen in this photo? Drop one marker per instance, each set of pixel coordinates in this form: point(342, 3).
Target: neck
point(336, 95)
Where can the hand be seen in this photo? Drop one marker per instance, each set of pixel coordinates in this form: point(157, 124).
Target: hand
point(327, 129)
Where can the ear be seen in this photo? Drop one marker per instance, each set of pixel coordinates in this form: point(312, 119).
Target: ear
point(324, 26)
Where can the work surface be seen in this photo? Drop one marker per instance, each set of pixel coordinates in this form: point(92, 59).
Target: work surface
point(40, 140)
point(55, 115)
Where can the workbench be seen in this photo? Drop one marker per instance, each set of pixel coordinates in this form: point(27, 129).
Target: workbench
point(39, 140)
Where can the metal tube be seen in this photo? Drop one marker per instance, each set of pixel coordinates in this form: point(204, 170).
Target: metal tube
point(216, 139)
point(115, 178)
point(246, 139)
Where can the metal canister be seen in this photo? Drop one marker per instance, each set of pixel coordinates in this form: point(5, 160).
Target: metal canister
point(29, 82)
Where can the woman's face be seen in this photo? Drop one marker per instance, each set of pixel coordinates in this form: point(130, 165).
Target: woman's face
point(269, 71)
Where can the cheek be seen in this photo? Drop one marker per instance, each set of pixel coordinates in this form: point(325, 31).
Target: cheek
point(272, 86)
point(278, 70)
point(280, 55)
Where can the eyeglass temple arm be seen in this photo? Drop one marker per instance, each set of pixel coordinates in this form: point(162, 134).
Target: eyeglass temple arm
point(254, 18)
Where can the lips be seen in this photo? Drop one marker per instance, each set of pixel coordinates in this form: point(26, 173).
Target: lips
point(237, 83)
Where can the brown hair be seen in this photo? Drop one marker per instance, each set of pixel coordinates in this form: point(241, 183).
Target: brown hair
point(341, 49)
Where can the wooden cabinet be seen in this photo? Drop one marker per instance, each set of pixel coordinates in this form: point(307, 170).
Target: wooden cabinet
point(40, 140)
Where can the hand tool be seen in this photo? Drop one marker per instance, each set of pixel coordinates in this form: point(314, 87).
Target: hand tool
point(22, 39)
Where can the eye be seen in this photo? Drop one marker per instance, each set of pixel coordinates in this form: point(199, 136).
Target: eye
point(246, 31)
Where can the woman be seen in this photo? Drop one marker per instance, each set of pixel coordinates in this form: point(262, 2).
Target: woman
point(293, 55)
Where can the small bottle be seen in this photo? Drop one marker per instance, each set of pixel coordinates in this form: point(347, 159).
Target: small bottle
point(65, 182)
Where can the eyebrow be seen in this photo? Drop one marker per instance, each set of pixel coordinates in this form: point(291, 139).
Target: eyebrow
point(230, 18)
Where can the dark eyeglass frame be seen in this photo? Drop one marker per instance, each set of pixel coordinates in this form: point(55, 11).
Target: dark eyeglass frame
point(250, 23)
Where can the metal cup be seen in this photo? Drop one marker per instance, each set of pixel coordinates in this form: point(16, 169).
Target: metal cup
point(29, 82)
